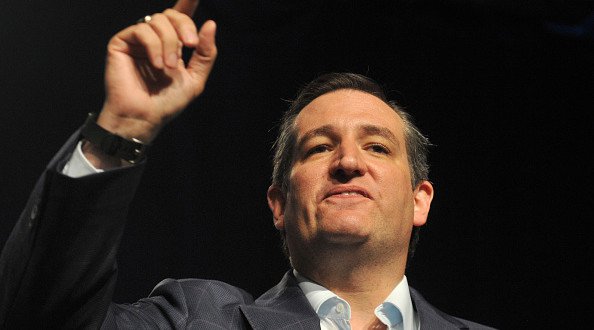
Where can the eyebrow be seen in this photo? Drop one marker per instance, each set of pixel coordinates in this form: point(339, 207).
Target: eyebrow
point(325, 130)
point(380, 131)
point(329, 131)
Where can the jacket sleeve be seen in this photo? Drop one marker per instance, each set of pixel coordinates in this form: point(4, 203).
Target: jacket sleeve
point(58, 268)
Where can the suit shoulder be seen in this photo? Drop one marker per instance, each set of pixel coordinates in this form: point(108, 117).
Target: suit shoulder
point(182, 304)
point(221, 293)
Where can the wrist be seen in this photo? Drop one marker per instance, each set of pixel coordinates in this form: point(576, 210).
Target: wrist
point(104, 149)
point(139, 128)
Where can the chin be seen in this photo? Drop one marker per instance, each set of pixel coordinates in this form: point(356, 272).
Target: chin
point(346, 224)
point(345, 234)
point(344, 239)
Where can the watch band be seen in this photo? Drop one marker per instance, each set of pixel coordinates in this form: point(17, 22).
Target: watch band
point(131, 151)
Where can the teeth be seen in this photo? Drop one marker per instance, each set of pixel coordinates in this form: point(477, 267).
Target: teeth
point(349, 193)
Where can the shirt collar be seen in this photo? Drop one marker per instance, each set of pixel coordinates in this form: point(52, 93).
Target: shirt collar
point(400, 299)
point(322, 299)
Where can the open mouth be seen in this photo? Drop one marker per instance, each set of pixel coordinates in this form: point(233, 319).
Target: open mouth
point(348, 192)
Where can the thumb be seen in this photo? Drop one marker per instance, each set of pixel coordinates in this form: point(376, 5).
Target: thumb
point(205, 53)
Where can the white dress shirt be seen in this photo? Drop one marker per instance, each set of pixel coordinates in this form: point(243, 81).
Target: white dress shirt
point(396, 312)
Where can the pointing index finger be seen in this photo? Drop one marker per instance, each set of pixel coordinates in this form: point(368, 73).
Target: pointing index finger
point(187, 7)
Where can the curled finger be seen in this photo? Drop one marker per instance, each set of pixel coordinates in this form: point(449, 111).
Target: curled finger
point(148, 40)
point(169, 38)
point(184, 26)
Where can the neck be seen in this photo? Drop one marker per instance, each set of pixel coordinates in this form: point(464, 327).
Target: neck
point(362, 280)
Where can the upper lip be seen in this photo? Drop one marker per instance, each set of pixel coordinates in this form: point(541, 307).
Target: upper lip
point(343, 189)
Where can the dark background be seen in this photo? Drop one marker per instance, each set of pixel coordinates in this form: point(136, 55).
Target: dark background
point(502, 89)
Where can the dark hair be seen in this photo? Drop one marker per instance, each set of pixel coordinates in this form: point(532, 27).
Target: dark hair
point(416, 143)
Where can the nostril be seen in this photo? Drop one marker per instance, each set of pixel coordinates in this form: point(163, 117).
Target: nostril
point(342, 175)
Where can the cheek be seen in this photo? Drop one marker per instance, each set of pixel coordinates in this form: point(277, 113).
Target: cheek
point(304, 182)
point(396, 190)
point(301, 199)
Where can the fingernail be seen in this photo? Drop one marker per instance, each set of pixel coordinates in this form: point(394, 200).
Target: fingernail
point(171, 60)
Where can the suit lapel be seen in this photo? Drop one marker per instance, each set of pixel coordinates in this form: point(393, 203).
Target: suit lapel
point(282, 307)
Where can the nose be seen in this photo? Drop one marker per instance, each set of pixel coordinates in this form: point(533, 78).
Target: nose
point(349, 163)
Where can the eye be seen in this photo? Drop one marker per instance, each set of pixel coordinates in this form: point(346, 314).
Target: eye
point(379, 148)
point(318, 149)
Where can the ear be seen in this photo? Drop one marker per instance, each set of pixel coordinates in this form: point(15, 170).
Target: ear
point(423, 196)
point(276, 202)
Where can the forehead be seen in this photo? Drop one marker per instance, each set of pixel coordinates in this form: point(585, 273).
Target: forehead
point(348, 109)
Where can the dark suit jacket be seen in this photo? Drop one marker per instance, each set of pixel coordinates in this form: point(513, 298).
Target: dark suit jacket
point(58, 269)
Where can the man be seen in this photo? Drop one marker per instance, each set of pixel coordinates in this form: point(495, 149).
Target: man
point(349, 185)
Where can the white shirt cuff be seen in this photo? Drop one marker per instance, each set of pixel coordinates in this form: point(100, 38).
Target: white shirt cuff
point(79, 165)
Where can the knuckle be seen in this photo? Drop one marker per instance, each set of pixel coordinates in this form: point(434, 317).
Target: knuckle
point(159, 22)
point(171, 44)
point(178, 18)
point(171, 12)
point(147, 38)
point(142, 30)
point(138, 34)
point(113, 40)
point(158, 17)
point(163, 27)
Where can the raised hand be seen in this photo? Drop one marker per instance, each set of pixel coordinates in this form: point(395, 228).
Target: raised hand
point(147, 82)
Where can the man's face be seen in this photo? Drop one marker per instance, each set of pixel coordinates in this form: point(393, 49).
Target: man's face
point(350, 182)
